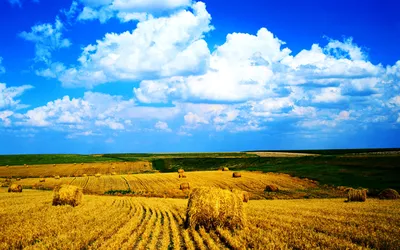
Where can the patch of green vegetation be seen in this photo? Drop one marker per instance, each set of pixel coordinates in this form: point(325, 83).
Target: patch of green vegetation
point(51, 159)
point(333, 151)
point(376, 172)
point(119, 192)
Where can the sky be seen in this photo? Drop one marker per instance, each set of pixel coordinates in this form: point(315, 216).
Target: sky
point(111, 76)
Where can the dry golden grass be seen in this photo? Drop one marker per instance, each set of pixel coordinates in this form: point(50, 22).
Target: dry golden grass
point(75, 169)
point(168, 184)
point(30, 221)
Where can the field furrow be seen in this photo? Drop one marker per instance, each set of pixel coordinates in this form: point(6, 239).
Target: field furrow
point(135, 235)
point(106, 222)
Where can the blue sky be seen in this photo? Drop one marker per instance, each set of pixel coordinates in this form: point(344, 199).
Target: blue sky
point(89, 76)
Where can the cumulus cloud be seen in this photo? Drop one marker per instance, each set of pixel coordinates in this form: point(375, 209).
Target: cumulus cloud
point(128, 10)
point(159, 47)
point(47, 39)
point(4, 117)
point(8, 96)
point(162, 126)
point(250, 82)
point(91, 113)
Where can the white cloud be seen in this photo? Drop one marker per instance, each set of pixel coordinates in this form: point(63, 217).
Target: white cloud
point(8, 96)
point(194, 119)
point(239, 70)
point(47, 39)
point(128, 10)
point(2, 69)
point(93, 111)
point(159, 47)
point(4, 117)
point(109, 123)
point(162, 126)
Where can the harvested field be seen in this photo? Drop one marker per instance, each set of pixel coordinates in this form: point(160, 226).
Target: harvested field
point(49, 170)
point(168, 184)
point(103, 222)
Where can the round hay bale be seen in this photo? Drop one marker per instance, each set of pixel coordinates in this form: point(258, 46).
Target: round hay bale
point(54, 165)
point(225, 169)
point(245, 195)
point(67, 195)
point(15, 188)
point(184, 186)
point(18, 179)
point(213, 207)
point(84, 175)
point(81, 163)
point(236, 175)
point(357, 195)
point(97, 175)
point(220, 169)
point(389, 194)
point(182, 175)
point(56, 177)
point(271, 188)
point(181, 171)
point(113, 167)
point(42, 180)
point(113, 173)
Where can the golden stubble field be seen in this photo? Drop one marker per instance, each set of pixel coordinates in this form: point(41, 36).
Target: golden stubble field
point(29, 221)
point(168, 184)
point(75, 169)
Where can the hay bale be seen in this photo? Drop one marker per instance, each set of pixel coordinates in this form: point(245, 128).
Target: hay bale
point(245, 195)
point(42, 180)
point(180, 171)
point(225, 169)
point(220, 169)
point(236, 175)
point(182, 175)
point(56, 177)
point(81, 164)
point(113, 173)
point(15, 188)
point(357, 195)
point(84, 175)
point(113, 167)
point(184, 186)
point(389, 194)
point(18, 179)
point(67, 195)
point(213, 207)
point(54, 165)
point(271, 188)
point(97, 175)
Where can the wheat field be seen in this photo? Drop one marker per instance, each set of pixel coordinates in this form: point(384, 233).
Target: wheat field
point(29, 221)
point(75, 169)
point(168, 184)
